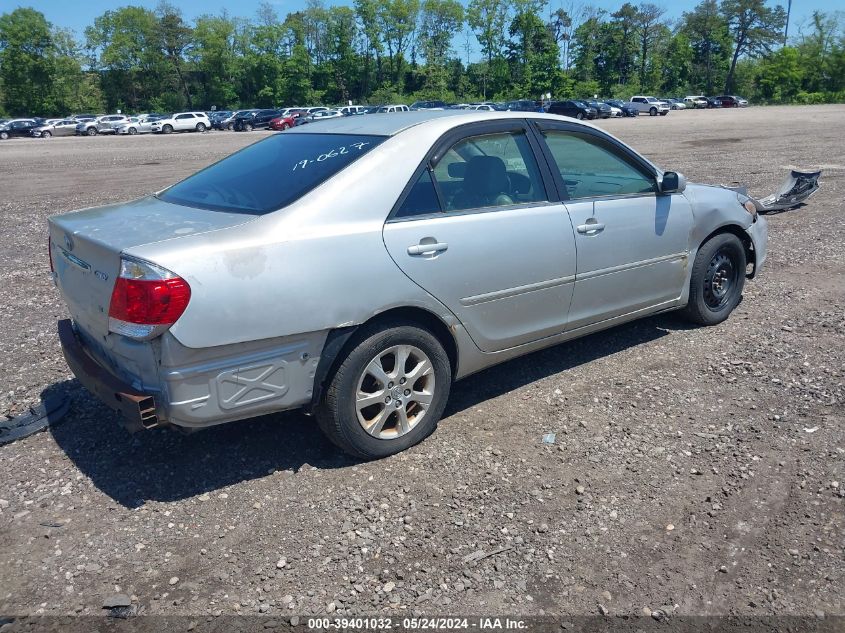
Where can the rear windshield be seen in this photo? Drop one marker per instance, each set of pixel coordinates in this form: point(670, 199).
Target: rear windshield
point(270, 174)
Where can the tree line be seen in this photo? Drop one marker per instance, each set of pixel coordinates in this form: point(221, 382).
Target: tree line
point(378, 51)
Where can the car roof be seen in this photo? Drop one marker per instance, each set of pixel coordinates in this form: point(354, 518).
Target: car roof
point(391, 124)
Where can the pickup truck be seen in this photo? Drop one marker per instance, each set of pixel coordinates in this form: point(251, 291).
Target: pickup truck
point(652, 105)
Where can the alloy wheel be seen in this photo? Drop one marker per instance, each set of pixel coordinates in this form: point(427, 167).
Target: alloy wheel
point(395, 391)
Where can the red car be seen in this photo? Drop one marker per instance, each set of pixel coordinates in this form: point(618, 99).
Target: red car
point(283, 122)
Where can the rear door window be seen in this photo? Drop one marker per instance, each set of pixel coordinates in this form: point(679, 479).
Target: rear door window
point(270, 174)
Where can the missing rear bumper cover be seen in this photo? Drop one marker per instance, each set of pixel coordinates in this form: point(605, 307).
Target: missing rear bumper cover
point(138, 409)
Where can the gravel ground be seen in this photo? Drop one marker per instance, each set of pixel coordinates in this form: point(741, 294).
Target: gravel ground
point(697, 471)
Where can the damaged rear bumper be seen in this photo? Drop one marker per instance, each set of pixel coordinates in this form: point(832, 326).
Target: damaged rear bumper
point(138, 409)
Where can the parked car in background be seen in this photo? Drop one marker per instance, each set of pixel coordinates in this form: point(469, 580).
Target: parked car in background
point(393, 108)
point(322, 115)
point(626, 108)
point(254, 120)
point(428, 105)
point(282, 123)
point(651, 105)
point(732, 101)
point(572, 108)
point(350, 110)
point(604, 111)
point(217, 116)
point(61, 127)
point(713, 102)
point(696, 101)
point(18, 127)
point(139, 125)
point(674, 104)
point(209, 309)
point(181, 122)
point(523, 105)
point(77, 117)
point(106, 124)
point(226, 122)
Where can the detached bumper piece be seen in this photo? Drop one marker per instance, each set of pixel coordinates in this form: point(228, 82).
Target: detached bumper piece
point(138, 409)
point(797, 187)
point(37, 418)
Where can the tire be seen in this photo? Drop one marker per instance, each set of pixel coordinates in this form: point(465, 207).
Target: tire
point(247, 127)
point(200, 127)
point(132, 131)
point(338, 414)
point(229, 126)
point(653, 112)
point(91, 131)
point(718, 277)
point(4, 135)
point(46, 134)
point(579, 116)
point(167, 129)
point(285, 126)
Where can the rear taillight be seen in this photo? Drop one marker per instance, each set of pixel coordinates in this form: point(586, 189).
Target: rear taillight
point(146, 300)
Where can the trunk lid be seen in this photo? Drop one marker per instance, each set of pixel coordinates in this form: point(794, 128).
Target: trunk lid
point(86, 246)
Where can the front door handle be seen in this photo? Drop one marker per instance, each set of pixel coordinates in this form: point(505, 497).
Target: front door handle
point(427, 249)
point(590, 227)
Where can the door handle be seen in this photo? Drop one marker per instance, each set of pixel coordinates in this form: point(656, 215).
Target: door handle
point(427, 249)
point(590, 227)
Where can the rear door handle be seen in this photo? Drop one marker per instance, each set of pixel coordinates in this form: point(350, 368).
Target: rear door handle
point(590, 227)
point(427, 249)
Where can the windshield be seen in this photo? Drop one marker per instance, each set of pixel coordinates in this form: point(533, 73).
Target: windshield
point(270, 174)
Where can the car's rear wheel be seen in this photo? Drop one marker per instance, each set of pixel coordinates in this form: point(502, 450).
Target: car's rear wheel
point(91, 131)
point(167, 129)
point(653, 111)
point(200, 127)
point(388, 393)
point(718, 277)
point(46, 134)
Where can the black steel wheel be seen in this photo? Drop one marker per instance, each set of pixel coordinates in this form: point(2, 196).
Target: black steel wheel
point(718, 277)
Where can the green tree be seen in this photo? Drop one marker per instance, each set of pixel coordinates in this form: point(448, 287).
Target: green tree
point(27, 64)
point(780, 74)
point(754, 28)
point(707, 31)
point(439, 21)
point(175, 40)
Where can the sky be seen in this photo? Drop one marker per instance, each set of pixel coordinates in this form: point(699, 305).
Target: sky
point(78, 15)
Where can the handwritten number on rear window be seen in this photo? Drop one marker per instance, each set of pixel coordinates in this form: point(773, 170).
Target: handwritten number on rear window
point(340, 151)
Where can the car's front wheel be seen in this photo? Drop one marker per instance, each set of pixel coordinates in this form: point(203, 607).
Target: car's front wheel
point(388, 393)
point(653, 111)
point(4, 135)
point(167, 129)
point(133, 131)
point(718, 277)
point(247, 127)
point(92, 131)
point(579, 115)
point(46, 134)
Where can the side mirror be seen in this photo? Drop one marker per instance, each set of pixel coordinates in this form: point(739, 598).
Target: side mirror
point(672, 182)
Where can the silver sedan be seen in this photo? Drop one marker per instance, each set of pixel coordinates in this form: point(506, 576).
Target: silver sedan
point(356, 269)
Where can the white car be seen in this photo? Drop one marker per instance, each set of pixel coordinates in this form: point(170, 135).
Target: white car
point(696, 101)
point(182, 122)
point(394, 108)
point(615, 112)
point(651, 105)
point(355, 109)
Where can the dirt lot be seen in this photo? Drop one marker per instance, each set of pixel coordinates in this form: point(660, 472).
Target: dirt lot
point(699, 471)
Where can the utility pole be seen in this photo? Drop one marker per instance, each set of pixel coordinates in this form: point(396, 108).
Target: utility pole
point(786, 30)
